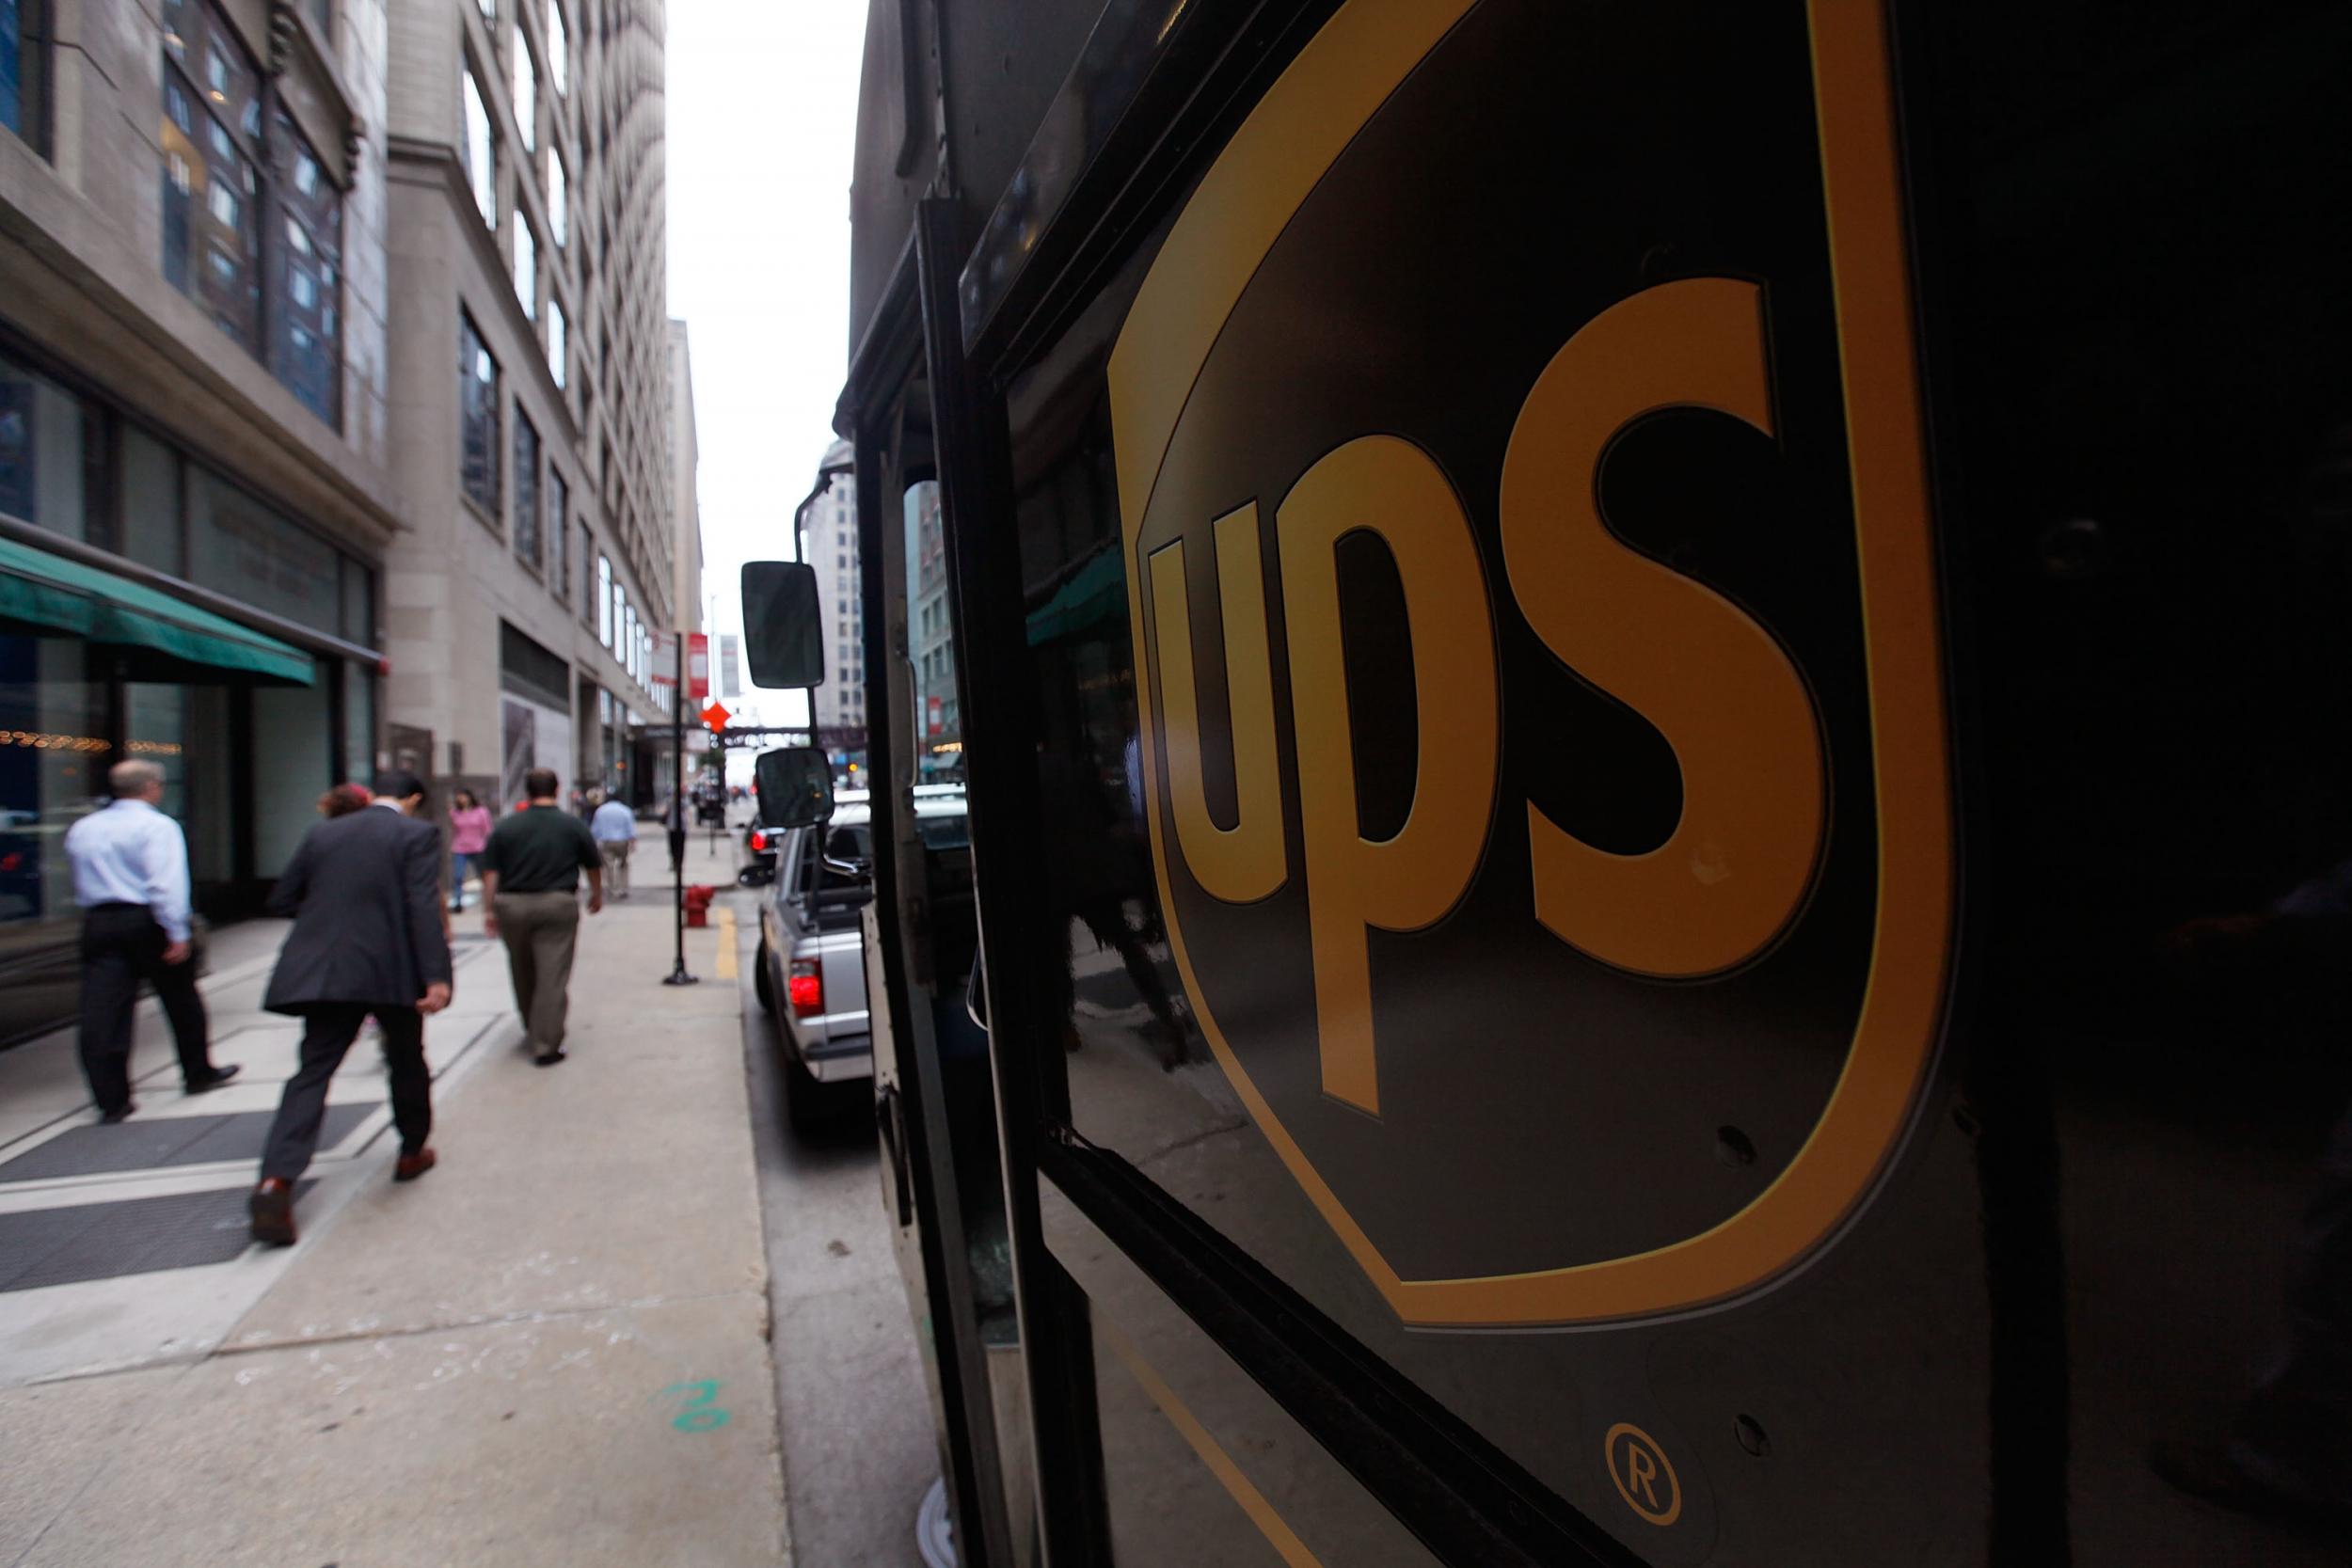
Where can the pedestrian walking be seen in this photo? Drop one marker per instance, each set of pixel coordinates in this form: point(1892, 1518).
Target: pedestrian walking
point(531, 883)
point(614, 829)
point(343, 799)
point(468, 831)
point(130, 877)
point(369, 937)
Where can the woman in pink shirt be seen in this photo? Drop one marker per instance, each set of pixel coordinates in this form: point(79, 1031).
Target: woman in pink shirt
point(468, 831)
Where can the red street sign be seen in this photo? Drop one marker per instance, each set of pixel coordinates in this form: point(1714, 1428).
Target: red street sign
point(716, 716)
point(698, 665)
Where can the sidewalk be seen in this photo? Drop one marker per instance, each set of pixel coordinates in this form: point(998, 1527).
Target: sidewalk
point(551, 1350)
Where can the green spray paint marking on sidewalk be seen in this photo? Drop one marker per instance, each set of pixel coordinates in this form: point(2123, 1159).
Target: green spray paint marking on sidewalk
point(701, 1412)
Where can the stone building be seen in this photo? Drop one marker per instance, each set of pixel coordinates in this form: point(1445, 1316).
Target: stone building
point(197, 450)
point(829, 544)
point(529, 381)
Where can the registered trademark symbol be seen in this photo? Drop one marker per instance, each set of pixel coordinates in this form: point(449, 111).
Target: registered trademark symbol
point(1644, 1475)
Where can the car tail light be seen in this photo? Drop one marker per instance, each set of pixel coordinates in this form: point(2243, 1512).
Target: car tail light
point(807, 988)
point(760, 842)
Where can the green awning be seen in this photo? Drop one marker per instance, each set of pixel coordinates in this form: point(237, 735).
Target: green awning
point(48, 591)
point(1095, 589)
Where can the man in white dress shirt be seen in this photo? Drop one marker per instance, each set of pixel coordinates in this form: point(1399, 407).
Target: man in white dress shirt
point(614, 829)
point(130, 877)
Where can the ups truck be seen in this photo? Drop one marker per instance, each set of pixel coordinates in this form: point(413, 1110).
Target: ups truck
point(1654, 702)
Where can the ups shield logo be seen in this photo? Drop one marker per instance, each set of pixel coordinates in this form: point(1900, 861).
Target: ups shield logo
point(1520, 470)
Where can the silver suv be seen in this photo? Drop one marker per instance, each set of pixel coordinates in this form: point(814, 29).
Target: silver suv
point(810, 973)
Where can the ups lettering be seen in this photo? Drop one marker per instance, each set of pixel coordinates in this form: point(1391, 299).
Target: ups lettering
point(1713, 682)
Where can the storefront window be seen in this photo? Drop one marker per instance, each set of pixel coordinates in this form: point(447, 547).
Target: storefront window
point(294, 749)
point(155, 729)
point(241, 547)
point(204, 771)
point(53, 752)
point(45, 442)
point(358, 722)
point(358, 603)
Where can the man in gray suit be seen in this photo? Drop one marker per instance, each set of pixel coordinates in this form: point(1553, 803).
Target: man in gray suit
point(365, 890)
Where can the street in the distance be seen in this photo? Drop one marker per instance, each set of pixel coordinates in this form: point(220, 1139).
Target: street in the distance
point(561, 1337)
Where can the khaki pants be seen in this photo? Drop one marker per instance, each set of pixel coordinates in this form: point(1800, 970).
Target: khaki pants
point(538, 929)
point(616, 866)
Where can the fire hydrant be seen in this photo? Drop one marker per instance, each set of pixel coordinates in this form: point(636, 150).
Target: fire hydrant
point(698, 903)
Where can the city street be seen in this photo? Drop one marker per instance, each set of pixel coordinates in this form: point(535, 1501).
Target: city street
point(569, 1344)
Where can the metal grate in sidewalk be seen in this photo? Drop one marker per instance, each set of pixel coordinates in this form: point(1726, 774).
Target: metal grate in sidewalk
point(160, 1142)
point(140, 1235)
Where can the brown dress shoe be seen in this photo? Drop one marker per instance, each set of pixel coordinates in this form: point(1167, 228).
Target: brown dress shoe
point(409, 1167)
point(273, 1212)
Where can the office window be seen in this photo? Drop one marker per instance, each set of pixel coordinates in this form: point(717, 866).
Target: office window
point(478, 416)
point(48, 441)
point(242, 546)
point(482, 152)
point(526, 488)
point(309, 332)
point(150, 504)
point(24, 70)
point(559, 49)
point(557, 356)
point(587, 577)
point(212, 161)
point(604, 600)
point(526, 93)
point(559, 534)
point(359, 602)
point(526, 266)
point(559, 201)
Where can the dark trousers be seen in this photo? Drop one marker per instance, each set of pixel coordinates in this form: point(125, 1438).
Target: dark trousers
point(2296, 1433)
point(330, 1027)
point(121, 946)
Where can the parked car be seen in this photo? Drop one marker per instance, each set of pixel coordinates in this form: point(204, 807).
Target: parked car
point(810, 970)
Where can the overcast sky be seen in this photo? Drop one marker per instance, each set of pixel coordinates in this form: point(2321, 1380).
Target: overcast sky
point(762, 115)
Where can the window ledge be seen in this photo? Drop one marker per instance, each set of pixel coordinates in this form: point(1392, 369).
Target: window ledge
point(481, 513)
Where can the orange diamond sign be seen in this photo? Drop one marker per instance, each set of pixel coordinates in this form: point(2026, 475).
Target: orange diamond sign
point(716, 716)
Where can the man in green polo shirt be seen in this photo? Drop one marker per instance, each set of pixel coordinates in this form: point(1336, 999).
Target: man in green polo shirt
point(531, 887)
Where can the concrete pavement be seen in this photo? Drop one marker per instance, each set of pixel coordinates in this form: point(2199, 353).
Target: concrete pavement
point(552, 1349)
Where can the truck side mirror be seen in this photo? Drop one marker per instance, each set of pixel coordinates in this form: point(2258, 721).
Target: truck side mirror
point(784, 626)
point(795, 788)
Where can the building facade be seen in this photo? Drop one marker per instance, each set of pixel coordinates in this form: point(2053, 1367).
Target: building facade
point(529, 381)
point(829, 545)
point(931, 634)
point(196, 503)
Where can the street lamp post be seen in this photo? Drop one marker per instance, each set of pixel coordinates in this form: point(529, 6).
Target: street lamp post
point(678, 976)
